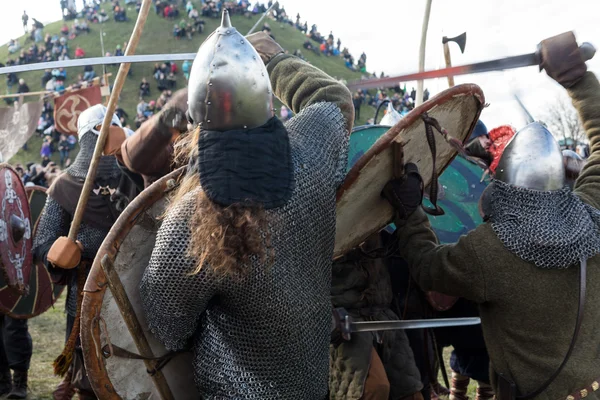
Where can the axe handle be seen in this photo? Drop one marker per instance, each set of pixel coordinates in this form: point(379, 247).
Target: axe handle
point(112, 105)
point(448, 63)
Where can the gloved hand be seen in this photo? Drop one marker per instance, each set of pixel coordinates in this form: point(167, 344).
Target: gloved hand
point(120, 199)
point(405, 194)
point(561, 58)
point(266, 47)
point(173, 118)
point(65, 253)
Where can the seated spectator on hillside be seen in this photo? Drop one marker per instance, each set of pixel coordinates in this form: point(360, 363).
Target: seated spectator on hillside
point(46, 77)
point(64, 29)
point(176, 31)
point(70, 14)
point(141, 107)
point(171, 80)
point(63, 148)
point(81, 26)
point(189, 6)
point(162, 82)
point(199, 25)
point(151, 109)
point(185, 67)
point(88, 73)
point(59, 87)
point(120, 14)
point(23, 88)
point(122, 115)
point(193, 14)
point(64, 56)
point(13, 46)
point(79, 53)
point(144, 88)
point(119, 51)
point(102, 16)
point(51, 85)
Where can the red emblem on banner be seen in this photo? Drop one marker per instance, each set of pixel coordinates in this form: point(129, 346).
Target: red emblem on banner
point(68, 107)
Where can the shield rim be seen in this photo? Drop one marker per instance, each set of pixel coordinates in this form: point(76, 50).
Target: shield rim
point(28, 191)
point(96, 283)
point(29, 247)
point(386, 140)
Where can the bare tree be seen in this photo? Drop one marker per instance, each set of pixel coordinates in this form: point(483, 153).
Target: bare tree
point(563, 121)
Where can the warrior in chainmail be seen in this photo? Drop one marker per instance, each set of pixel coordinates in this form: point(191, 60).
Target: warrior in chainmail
point(55, 221)
point(526, 266)
point(372, 365)
point(241, 267)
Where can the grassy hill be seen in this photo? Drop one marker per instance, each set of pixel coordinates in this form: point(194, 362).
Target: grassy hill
point(158, 38)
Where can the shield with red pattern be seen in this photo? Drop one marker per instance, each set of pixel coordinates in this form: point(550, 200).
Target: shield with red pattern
point(41, 293)
point(15, 232)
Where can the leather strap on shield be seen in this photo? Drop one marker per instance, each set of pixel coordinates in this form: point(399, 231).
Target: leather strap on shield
point(433, 186)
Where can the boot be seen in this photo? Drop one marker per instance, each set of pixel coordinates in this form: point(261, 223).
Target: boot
point(437, 390)
point(460, 384)
point(64, 390)
point(19, 387)
point(5, 382)
point(484, 391)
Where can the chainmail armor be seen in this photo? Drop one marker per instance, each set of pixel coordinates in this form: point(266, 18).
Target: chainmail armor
point(107, 167)
point(55, 221)
point(266, 335)
point(553, 229)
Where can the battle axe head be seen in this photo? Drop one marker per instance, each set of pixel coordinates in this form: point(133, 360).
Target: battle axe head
point(460, 40)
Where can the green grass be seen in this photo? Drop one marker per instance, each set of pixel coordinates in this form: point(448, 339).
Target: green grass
point(157, 37)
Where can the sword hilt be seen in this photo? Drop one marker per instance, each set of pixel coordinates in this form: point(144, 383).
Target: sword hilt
point(343, 322)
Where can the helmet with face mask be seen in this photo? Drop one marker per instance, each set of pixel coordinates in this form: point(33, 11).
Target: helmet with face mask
point(229, 87)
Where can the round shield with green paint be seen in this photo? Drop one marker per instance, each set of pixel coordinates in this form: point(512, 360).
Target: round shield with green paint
point(460, 188)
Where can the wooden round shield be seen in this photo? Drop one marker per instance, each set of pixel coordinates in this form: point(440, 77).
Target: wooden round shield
point(107, 342)
point(42, 293)
point(15, 232)
point(361, 211)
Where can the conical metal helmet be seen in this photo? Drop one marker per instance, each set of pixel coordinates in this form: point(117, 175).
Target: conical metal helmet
point(229, 87)
point(532, 160)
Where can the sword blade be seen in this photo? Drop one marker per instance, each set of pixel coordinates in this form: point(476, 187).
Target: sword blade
point(82, 62)
point(524, 60)
point(372, 326)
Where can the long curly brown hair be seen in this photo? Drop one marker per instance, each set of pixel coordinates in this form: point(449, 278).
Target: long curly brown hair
point(226, 238)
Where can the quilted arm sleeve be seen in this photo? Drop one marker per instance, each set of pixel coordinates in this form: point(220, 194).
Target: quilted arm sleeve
point(299, 85)
point(174, 298)
point(586, 99)
point(452, 269)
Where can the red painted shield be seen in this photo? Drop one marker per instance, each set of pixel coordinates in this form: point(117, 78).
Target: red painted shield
point(42, 292)
point(15, 231)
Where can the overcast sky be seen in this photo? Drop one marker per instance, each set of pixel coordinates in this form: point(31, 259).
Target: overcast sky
point(389, 31)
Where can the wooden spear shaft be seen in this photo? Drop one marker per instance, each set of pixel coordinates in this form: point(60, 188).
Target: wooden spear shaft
point(112, 105)
point(419, 99)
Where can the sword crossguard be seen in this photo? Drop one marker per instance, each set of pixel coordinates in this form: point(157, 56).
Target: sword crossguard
point(343, 322)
